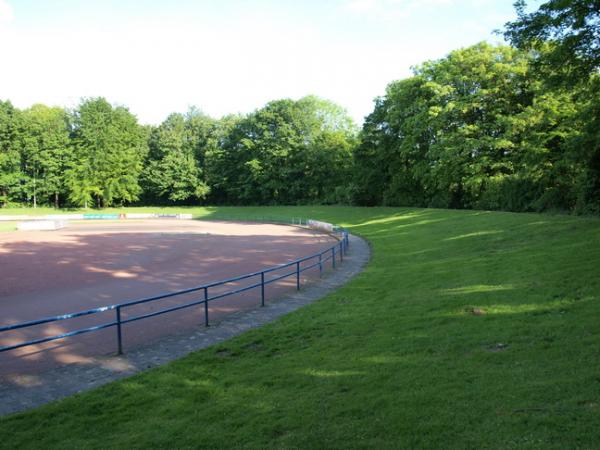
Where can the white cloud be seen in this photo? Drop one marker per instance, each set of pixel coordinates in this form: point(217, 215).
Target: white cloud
point(387, 10)
point(156, 66)
point(6, 12)
point(362, 6)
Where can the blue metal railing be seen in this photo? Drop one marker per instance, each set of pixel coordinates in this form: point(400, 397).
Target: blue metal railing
point(336, 251)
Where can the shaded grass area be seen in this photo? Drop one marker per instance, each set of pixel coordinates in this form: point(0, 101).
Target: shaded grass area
point(467, 330)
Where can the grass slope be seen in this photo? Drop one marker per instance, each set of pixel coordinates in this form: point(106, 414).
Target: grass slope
point(467, 330)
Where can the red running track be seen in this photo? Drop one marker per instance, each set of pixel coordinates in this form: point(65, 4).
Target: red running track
point(91, 264)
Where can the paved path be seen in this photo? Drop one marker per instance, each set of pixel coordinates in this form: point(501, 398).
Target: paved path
point(61, 382)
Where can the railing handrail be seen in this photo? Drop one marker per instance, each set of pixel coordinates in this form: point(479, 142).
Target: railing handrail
point(343, 243)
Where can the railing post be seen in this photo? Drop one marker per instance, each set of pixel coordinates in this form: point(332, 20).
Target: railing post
point(298, 275)
point(320, 264)
point(341, 251)
point(333, 256)
point(119, 333)
point(262, 289)
point(205, 306)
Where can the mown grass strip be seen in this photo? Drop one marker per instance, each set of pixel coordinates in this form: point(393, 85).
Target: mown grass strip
point(467, 330)
point(8, 226)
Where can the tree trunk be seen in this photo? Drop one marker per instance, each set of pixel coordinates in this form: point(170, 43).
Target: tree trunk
point(34, 189)
point(56, 205)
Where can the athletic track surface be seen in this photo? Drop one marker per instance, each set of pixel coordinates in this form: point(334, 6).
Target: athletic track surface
point(92, 264)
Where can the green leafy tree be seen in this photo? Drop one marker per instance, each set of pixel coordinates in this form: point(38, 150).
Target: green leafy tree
point(220, 162)
point(472, 130)
point(199, 130)
point(565, 34)
point(173, 171)
point(109, 147)
point(331, 136)
point(288, 152)
point(545, 172)
point(10, 167)
point(46, 152)
point(585, 149)
point(473, 93)
point(392, 158)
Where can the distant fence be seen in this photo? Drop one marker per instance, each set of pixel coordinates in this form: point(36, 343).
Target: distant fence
point(94, 216)
point(337, 251)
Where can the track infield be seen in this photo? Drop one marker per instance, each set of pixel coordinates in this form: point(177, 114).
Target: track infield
point(92, 264)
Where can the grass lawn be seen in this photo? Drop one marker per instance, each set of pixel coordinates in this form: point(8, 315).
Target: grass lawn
point(467, 330)
point(8, 226)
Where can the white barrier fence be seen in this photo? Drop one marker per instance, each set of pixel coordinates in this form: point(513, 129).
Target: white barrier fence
point(41, 218)
point(93, 216)
point(323, 226)
point(157, 216)
point(41, 225)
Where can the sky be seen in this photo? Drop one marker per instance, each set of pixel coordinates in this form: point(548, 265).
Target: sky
point(228, 56)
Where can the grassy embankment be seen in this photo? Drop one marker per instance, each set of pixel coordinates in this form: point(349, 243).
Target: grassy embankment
point(467, 330)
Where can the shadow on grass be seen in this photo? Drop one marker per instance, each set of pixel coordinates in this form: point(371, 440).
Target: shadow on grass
point(467, 330)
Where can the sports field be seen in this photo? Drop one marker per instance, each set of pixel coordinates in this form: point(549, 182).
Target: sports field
point(91, 264)
point(467, 330)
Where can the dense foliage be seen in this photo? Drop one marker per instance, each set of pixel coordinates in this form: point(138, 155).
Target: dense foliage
point(568, 30)
point(288, 152)
point(475, 130)
point(99, 155)
point(495, 127)
point(510, 128)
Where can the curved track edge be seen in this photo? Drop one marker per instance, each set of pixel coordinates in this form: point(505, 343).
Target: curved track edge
point(68, 380)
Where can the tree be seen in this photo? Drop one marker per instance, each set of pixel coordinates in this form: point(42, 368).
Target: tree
point(566, 35)
point(10, 174)
point(585, 148)
point(472, 130)
point(199, 131)
point(172, 170)
point(391, 160)
point(565, 38)
point(288, 152)
point(45, 152)
point(109, 147)
point(473, 92)
point(220, 164)
point(327, 158)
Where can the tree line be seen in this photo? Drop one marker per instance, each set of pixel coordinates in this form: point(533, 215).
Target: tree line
point(512, 128)
point(99, 155)
point(506, 127)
